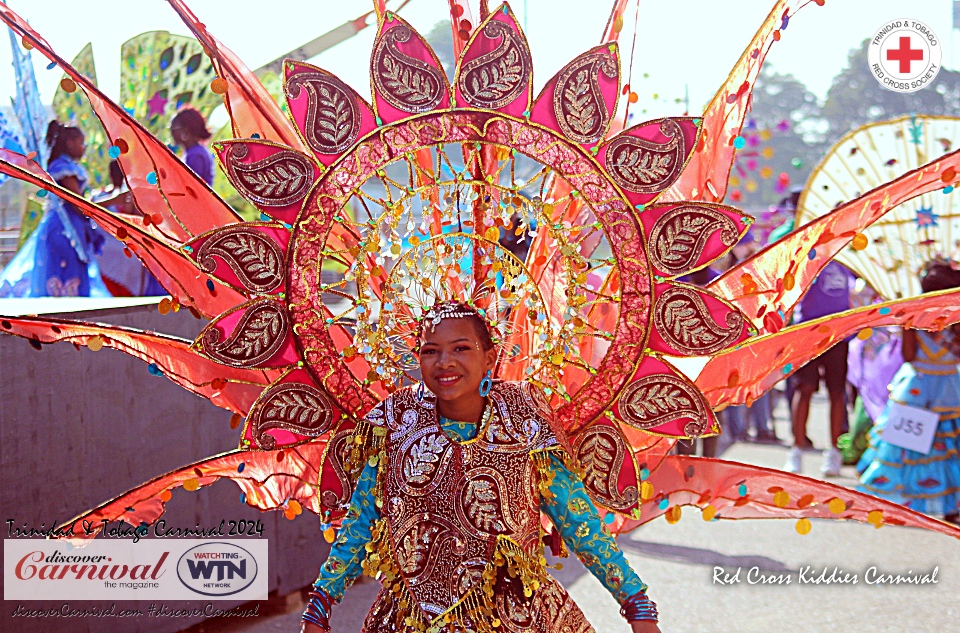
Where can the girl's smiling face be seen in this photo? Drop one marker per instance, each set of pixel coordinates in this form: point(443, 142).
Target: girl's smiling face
point(453, 360)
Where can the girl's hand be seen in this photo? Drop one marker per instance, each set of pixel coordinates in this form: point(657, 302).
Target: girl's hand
point(645, 626)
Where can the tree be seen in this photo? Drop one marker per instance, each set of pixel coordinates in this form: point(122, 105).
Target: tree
point(786, 116)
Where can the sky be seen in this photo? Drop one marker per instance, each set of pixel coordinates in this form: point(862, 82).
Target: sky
point(682, 47)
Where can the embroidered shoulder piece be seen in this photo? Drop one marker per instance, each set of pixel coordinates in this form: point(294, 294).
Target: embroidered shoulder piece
point(550, 435)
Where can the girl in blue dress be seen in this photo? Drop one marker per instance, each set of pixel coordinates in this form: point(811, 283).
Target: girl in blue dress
point(189, 131)
point(59, 259)
point(927, 380)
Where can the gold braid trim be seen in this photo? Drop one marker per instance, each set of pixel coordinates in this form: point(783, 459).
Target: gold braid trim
point(476, 607)
point(366, 443)
point(547, 475)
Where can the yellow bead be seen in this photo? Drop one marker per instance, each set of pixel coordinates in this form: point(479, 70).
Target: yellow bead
point(781, 499)
point(646, 490)
point(837, 506)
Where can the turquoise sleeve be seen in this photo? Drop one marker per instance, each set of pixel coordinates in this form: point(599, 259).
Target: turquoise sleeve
point(343, 565)
point(580, 526)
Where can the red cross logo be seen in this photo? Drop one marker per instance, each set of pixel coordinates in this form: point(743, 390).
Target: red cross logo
point(905, 55)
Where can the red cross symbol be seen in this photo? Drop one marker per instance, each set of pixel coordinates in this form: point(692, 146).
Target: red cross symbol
point(905, 54)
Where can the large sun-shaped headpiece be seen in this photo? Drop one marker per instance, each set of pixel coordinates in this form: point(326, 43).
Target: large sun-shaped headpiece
point(403, 201)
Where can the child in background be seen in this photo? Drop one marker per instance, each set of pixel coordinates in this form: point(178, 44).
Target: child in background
point(829, 294)
point(188, 129)
point(927, 380)
point(123, 274)
point(59, 258)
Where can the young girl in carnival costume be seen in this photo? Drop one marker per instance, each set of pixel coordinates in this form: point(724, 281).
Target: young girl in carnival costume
point(927, 380)
point(59, 259)
point(188, 129)
point(447, 514)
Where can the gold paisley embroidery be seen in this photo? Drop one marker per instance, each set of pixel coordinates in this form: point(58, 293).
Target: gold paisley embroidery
point(275, 181)
point(423, 459)
point(679, 236)
point(291, 406)
point(643, 166)
point(661, 398)
point(338, 456)
point(601, 451)
point(257, 337)
point(482, 506)
point(408, 84)
point(412, 551)
point(578, 102)
point(683, 320)
point(254, 258)
point(333, 117)
point(495, 79)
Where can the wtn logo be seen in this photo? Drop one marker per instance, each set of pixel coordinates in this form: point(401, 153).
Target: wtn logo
point(217, 569)
point(225, 569)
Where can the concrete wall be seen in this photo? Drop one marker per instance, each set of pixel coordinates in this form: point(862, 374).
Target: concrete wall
point(79, 427)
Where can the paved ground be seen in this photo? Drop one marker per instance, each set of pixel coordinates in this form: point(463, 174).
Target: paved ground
point(678, 562)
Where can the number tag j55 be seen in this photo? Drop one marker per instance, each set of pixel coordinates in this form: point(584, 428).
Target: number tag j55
point(910, 427)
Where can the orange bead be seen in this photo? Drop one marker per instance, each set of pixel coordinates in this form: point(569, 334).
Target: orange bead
point(219, 86)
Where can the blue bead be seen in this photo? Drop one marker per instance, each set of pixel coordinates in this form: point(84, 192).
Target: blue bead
point(210, 286)
point(788, 368)
point(664, 504)
point(644, 473)
point(812, 254)
point(113, 152)
point(152, 178)
point(609, 518)
point(742, 490)
point(51, 65)
point(241, 467)
point(884, 311)
point(948, 189)
point(739, 142)
point(243, 497)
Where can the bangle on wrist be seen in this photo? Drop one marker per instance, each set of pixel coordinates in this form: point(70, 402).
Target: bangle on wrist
point(318, 608)
point(639, 608)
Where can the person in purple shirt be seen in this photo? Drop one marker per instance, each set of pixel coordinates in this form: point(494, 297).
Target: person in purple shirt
point(829, 294)
point(188, 129)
